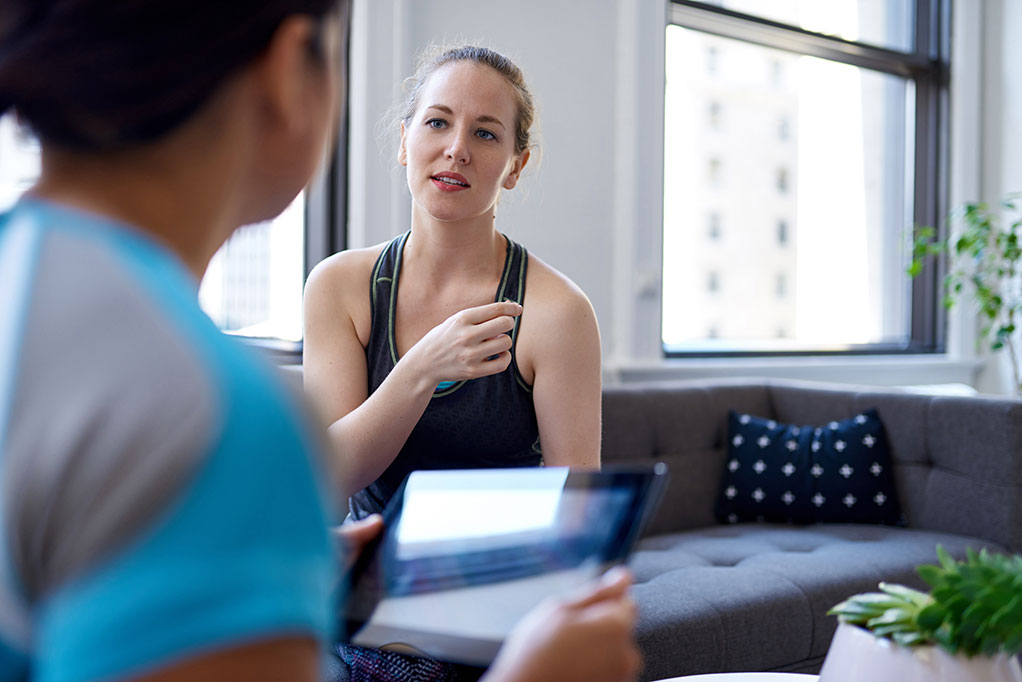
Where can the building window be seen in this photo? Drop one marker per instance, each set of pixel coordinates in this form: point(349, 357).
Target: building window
point(714, 172)
point(776, 73)
point(712, 282)
point(713, 115)
point(859, 106)
point(783, 128)
point(713, 228)
point(782, 232)
point(782, 180)
point(712, 60)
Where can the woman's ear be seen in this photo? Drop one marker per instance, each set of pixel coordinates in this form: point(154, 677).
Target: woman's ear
point(402, 152)
point(282, 73)
point(516, 170)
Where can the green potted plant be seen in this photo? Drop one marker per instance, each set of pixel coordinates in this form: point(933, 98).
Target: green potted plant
point(984, 262)
point(967, 627)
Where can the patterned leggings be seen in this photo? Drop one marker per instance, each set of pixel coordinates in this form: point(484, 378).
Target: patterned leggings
point(374, 665)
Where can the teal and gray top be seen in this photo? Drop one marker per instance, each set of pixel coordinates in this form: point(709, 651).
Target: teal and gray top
point(160, 497)
point(482, 423)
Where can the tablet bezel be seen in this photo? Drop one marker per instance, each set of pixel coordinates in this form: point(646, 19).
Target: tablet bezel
point(645, 485)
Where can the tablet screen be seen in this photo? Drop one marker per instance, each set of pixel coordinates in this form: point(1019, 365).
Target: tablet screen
point(465, 554)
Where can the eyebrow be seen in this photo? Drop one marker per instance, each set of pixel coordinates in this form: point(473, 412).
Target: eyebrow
point(485, 118)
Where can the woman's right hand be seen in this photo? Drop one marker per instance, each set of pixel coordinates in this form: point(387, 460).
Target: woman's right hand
point(469, 344)
point(588, 638)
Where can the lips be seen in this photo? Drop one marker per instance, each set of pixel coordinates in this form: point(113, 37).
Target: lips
point(450, 182)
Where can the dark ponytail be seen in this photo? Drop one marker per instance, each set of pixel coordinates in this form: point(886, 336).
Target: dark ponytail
point(99, 75)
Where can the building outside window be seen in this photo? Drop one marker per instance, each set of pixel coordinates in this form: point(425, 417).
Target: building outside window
point(852, 93)
point(19, 161)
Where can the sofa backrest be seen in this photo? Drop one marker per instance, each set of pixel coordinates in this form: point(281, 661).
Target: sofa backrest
point(958, 460)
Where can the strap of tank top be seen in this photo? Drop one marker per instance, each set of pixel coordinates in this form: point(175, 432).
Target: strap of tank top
point(512, 288)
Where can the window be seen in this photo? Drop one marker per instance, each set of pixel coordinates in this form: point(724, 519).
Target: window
point(713, 172)
point(782, 180)
point(253, 286)
point(776, 73)
point(714, 227)
point(19, 161)
point(712, 282)
point(712, 60)
point(856, 91)
point(713, 115)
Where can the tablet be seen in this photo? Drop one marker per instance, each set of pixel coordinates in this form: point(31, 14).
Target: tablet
point(464, 554)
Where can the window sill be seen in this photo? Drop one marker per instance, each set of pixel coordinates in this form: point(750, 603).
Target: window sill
point(878, 370)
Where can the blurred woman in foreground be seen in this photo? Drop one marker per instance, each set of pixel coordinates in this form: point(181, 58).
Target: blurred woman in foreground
point(162, 514)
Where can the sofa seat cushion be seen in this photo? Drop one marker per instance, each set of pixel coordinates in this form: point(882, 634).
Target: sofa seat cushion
point(755, 596)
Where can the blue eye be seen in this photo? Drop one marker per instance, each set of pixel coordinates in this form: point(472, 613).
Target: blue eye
point(436, 123)
point(486, 135)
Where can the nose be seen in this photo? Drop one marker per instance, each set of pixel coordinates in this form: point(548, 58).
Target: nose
point(457, 148)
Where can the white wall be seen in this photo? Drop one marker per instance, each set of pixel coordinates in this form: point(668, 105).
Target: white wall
point(999, 142)
point(592, 208)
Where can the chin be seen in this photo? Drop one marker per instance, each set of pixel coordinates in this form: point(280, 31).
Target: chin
point(267, 208)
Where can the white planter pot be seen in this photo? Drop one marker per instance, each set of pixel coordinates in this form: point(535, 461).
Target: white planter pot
point(856, 655)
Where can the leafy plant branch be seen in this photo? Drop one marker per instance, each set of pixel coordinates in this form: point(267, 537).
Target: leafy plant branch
point(985, 260)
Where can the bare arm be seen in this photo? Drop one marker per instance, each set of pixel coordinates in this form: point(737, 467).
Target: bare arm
point(367, 432)
point(565, 356)
point(295, 659)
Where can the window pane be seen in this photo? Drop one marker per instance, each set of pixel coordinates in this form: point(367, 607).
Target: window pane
point(19, 161)
point(826, 204)
point(254, 283)
point(885, 23)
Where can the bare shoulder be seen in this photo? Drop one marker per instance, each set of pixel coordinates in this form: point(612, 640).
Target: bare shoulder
point(558, 323)
point(346, 269)
point(550, 294)
point(339, 286)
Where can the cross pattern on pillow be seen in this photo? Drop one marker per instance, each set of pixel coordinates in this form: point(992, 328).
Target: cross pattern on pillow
point(839, 472)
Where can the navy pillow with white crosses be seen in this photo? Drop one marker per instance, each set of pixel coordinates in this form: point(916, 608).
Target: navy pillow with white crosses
point(837, 473)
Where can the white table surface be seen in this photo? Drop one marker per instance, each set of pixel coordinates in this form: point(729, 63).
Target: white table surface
point(745, 677)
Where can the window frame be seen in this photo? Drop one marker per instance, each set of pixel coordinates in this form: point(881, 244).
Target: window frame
point(927, 66)
point(326, 211)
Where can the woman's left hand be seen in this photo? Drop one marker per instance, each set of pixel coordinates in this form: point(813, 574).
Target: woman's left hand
point(353, 537)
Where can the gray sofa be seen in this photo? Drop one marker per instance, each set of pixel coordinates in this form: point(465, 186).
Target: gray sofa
point(754, 596)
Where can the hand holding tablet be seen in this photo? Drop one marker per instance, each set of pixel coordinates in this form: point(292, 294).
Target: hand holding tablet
point(464, 555)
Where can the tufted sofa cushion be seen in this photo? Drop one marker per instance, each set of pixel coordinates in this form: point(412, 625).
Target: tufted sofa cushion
point(755, 596)
point(957, 460)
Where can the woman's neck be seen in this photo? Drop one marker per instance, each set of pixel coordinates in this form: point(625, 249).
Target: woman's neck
point(164, 206)
point(184, 190)
point(449, 250)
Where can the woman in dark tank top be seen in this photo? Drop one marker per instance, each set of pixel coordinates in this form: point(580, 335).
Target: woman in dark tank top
point(450, 347)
